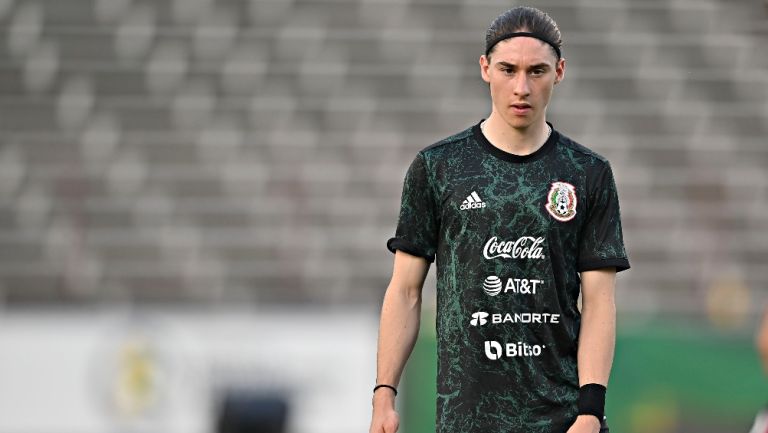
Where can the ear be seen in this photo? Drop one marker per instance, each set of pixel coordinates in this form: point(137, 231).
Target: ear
point(484, 65)
point(560, 71)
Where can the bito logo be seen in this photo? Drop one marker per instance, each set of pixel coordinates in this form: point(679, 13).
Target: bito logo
point(495, 350)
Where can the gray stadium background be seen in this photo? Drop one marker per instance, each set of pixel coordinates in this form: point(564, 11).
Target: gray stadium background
point(219, 154)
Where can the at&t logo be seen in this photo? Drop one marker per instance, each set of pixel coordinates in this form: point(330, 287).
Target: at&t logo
point(492, 286)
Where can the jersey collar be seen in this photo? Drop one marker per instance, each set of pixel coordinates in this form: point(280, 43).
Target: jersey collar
point(511, 157)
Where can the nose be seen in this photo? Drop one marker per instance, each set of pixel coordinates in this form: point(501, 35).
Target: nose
point(521, 87)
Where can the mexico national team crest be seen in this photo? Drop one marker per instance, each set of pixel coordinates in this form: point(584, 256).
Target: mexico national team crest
point(561, 201)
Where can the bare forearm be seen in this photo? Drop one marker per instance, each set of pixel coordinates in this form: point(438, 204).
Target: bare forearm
point(597, 341)
point(762, 340)
point(398, 330)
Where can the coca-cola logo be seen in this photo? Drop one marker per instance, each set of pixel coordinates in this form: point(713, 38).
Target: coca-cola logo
point(525, 247)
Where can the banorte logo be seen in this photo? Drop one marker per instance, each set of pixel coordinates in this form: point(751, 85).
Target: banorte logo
point(479, 318)
point(525, 247)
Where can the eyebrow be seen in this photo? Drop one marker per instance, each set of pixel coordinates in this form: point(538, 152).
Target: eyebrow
point(512, 66)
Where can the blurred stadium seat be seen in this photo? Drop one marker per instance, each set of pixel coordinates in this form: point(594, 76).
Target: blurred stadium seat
point(253, 151)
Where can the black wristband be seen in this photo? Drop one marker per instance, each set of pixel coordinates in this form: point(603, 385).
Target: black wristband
point(385, 386)
point(592, 400)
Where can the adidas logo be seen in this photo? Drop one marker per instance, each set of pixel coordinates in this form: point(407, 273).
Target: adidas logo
point(472, 201)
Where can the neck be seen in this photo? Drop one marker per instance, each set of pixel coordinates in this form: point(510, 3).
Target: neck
point(518, 141)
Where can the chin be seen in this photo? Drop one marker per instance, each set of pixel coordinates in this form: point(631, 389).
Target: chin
point(518, 122)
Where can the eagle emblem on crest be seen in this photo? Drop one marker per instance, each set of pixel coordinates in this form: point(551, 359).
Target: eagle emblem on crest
point(561, 201)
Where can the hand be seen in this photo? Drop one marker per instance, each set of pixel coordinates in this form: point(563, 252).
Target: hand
point(385, 419)
point(585, 424)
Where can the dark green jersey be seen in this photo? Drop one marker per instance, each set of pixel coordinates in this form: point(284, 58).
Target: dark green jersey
point(510, 235)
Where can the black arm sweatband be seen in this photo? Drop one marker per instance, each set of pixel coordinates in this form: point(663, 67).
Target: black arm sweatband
point(592, 400)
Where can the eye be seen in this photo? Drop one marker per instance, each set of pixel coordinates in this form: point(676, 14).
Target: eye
point(508, 71)
point(536, 72)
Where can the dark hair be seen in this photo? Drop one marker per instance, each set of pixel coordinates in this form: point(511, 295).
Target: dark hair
point(524, 19)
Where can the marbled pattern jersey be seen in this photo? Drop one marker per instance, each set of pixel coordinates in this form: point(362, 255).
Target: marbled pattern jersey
point(510, 235)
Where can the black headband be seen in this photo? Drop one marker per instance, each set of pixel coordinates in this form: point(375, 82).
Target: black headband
point(505, 36)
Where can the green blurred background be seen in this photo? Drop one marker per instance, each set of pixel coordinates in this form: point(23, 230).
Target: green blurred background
point(691, 374)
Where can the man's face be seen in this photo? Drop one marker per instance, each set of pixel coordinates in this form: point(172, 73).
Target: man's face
point(521, 73)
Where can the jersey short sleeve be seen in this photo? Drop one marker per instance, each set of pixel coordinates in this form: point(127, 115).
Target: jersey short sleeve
point(602, 243)
point(417, 225)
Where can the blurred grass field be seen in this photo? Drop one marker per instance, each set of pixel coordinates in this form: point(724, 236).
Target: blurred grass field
point(668, 376)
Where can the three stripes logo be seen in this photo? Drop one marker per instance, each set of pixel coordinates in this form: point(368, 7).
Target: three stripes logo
point(472, 201)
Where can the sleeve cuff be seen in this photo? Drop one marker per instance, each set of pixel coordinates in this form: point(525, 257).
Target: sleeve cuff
point(621, 264)
point(405, 246)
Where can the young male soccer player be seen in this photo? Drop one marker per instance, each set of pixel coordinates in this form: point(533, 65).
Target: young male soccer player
point(761, 342)
point(521, 220)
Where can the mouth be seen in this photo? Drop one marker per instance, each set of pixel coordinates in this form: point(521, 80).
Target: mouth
point(521, 108)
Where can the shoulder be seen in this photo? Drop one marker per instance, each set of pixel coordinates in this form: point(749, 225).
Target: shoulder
point(583, 159)
point(579, 151)
point(446, 147)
